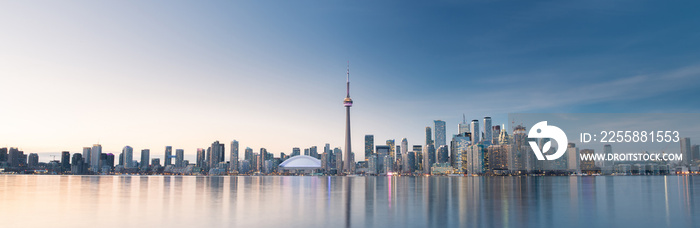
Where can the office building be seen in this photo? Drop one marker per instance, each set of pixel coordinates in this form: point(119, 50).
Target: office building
point(428, 136)
point(443, 154)
point(65, 161)
point(496, 133)
point(338, 154)
point(410, 163)
point(428, 158)
point(392, 149)
point(369, 146)
point(487, 131)
point(572, 157)
point(145, 157)
point(382, 154)
point(179, 158)
point(87, 153)
point(476, 133)
point(95, 158)
point(440, 133)
point(685, 151)
point(128, 153)
point(463, 127)
point(418, 155)
point(168, 156)
point(3, 154)
point(77, 164)
point(33, 160)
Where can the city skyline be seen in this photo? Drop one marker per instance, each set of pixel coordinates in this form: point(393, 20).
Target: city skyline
point(85, 73)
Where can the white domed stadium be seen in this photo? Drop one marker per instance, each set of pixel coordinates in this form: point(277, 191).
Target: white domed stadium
point(300, 164)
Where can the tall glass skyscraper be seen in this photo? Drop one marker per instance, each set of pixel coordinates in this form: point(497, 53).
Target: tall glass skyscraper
point(488, 137)
point(428, 136)
point(476, 132)
point(440, 133)
point(95, 157)
point(128, 156)
point(369, 146)
point(179, 158)
point(145, 157)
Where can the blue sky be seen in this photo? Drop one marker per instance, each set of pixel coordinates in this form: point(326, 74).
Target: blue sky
point(271, 73)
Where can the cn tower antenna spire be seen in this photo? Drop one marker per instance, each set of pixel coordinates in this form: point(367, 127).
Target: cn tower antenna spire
point(348, 79)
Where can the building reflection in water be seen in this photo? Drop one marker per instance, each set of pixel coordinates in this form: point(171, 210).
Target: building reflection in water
point(253, 201)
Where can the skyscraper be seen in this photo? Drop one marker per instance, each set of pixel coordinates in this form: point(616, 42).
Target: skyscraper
point(347, 103)
point(33, 160)
point(295, 151)
point(86, 156)
point(168, 155)
point(488, 137)
point(369, 146)
point(404, 147)
point(128, 156)
point(410, 162)
point(65, 160)
point(518, 155)
point(418, 152)
point(392, 149)
point(215, 155)
point(261, 160)
point(475, 131)
point(201, 157)
point(495, 134)
point(179, 158)
point(95, 157)
point(233, 165)
point(428, 136)
point(3, 154)
point(459, 145)
point(249, 155)
point(428, 158)
point(382, 154)
point(77, 164)
point(440, 133)
point(463, 126)
point(685, 151)
point(313, 151)
point(145, 158)
point(338, 154)
point(497, 157)
point(442, 154)
point(573, 158)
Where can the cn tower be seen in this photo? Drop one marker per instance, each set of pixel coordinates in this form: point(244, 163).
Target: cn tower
point(347, 164)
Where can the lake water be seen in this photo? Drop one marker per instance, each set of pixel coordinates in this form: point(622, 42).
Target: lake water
point(229, 201)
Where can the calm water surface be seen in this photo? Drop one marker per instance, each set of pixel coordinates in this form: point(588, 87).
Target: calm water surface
point(174, 201)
